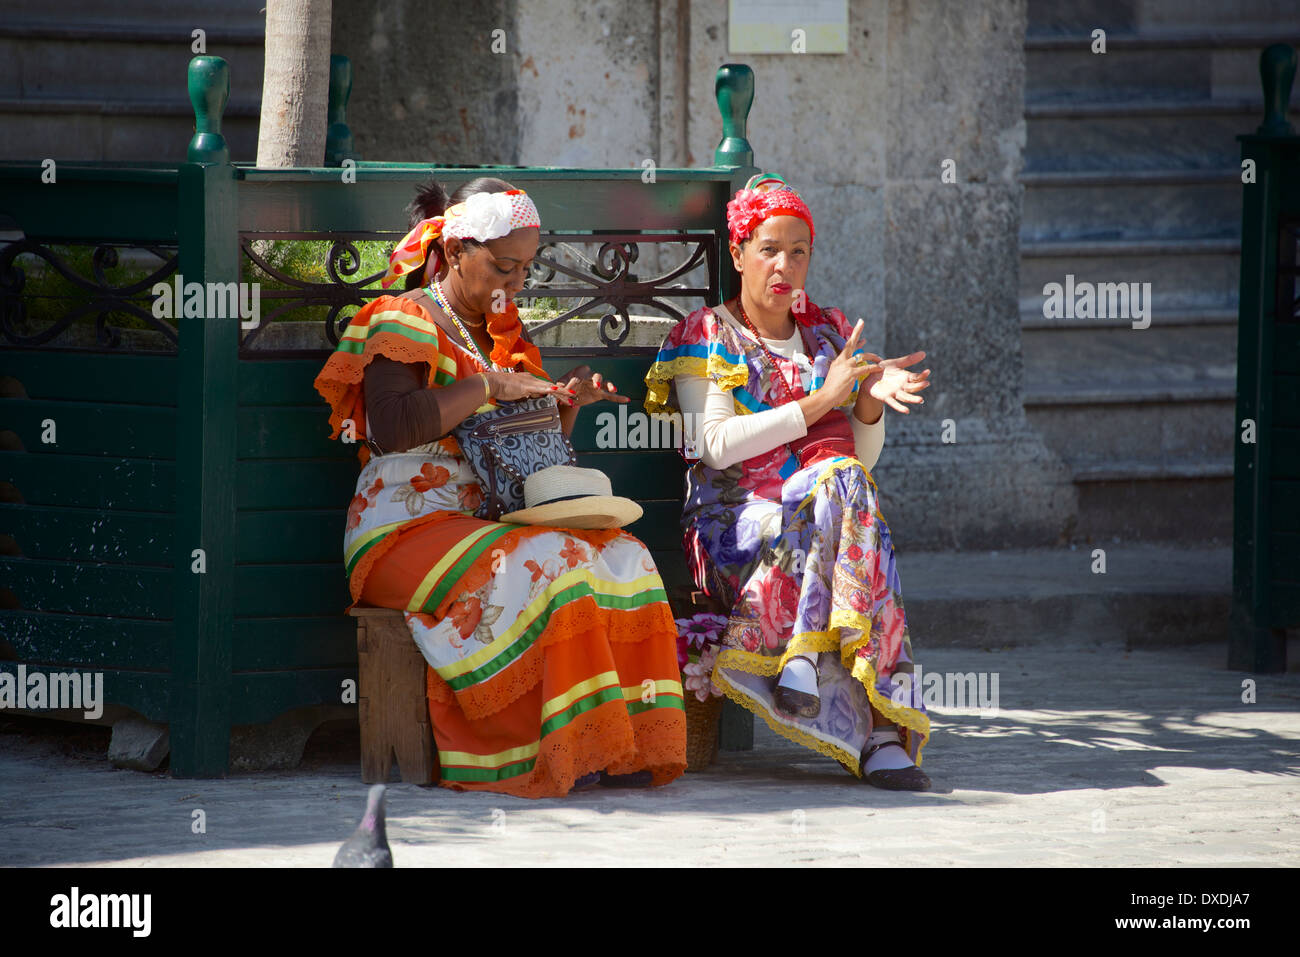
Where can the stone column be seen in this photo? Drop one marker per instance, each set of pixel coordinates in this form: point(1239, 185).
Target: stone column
point(954, 91)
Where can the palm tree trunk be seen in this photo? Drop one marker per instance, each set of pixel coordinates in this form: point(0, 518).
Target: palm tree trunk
point(295, 83)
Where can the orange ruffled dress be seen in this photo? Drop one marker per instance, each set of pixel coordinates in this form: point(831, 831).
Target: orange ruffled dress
point(551, 652)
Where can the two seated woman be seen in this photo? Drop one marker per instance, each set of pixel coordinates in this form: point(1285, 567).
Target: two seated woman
point(542, 641)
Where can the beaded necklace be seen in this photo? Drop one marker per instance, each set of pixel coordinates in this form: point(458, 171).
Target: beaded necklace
point(776, 369)
point(435, 291)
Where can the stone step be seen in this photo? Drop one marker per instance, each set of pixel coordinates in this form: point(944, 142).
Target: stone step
point(245, 14)
point(1182, 272)
point(1124, 361)
point(1139, 135)
point(1183, 37)
point(1174, 435)
point(1117, 206)
point(128, 30)
point(1150, 595)
point(1164, 507)
point(125, 68)
point(88, 130)
point(1156, 15)
point(1225, 315)
point(1124, 404)
point(1216, 68)
point(1151, 17)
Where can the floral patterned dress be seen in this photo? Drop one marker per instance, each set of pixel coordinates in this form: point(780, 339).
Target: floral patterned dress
point(802, 556)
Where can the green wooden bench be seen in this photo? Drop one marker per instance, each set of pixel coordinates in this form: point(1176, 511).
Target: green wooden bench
point(204, 441)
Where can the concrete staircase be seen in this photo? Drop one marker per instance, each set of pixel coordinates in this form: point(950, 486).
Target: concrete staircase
point(1132, 175)
point(89, 80)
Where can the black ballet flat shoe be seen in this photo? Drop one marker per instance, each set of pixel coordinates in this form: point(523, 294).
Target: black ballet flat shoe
point(586, 782)
point(798, 703)
point(894, 779)
point(637, 779)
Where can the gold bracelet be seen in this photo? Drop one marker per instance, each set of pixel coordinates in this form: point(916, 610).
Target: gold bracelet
point(487, 388)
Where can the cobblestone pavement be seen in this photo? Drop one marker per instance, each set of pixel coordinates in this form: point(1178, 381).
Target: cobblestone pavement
point(1095, 757)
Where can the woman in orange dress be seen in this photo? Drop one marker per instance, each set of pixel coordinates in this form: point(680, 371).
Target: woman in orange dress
point(551, 652)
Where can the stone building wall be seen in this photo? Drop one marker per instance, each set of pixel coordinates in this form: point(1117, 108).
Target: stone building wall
point(929, 265)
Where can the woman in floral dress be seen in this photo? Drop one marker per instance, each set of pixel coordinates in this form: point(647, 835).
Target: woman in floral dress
point(781, 516)
point(551, 652)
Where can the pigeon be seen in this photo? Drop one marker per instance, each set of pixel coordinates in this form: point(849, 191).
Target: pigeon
point(368, 845)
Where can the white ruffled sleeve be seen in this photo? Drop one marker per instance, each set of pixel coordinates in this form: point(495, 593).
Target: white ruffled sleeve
point(724, 438)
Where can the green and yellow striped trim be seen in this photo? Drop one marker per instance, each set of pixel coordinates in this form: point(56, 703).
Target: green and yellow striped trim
point(527, 628)
point(557, 713)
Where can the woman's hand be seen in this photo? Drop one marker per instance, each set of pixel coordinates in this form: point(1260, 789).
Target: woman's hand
point(587, 388)
point(512, 386)
point(846, 369)
point(890, 382)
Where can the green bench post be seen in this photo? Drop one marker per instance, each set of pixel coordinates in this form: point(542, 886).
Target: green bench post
point(205, 444)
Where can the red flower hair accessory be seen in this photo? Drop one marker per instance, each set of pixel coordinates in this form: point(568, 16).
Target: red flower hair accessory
point(764, 196)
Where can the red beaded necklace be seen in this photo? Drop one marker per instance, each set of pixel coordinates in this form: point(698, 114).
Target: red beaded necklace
point(786, 393)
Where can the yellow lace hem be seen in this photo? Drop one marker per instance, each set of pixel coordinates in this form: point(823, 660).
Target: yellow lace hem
point(908, 719)
point(661, 375)
point(807, 642)
point(794, 734)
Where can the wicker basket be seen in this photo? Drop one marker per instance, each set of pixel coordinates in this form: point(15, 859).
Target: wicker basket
point(701, 730)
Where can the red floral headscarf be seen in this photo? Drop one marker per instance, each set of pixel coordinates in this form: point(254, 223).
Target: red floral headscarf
point(763, 196)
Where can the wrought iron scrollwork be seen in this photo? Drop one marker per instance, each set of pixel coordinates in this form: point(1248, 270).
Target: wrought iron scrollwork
point(342, 263)
point(605, 282)
point(602, 282)
point(101, 297)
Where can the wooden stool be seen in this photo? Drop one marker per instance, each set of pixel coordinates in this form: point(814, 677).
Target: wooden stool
point(393, 699)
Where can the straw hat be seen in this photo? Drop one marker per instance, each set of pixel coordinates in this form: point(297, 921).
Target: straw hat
point(567, 497)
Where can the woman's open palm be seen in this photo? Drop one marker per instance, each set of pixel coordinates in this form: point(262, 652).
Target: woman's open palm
point(893, 384)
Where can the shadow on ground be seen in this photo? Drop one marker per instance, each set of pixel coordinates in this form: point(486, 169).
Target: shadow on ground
point(1069, 720)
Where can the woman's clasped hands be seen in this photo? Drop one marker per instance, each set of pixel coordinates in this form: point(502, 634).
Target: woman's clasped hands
point(887, 380)
point(513, 386)
point(577, 387)
point(584, 387)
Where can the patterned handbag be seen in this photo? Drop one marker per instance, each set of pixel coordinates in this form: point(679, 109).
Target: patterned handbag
point(505, 445)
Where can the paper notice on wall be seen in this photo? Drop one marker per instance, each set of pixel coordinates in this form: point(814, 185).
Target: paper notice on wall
point(778, 26)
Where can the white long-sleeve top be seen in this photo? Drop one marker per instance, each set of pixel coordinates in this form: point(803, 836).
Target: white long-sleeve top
point(724, 438)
